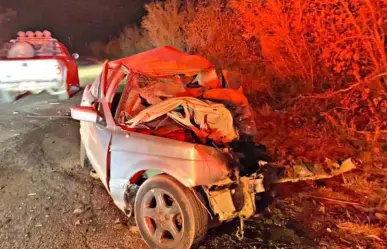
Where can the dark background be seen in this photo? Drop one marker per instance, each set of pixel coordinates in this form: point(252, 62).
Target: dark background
point(75, 22)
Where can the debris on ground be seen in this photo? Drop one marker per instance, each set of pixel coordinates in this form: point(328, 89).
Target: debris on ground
point(134, 229)
point(78, 211)
point(94, 174)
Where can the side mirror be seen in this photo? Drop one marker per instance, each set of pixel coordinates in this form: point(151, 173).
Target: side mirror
point(75, 56)
point(85, 113)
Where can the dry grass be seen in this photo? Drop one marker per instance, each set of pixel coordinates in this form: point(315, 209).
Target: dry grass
point(370, 231)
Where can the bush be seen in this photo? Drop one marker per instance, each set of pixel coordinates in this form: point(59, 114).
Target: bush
point(113, 49)
point(212, 30)
point(324, 44)
point(97, 49)
point(134, 40)
point(164, 24)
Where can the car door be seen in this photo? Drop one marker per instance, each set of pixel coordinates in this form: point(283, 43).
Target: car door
point(98, 141)
point(96, 136)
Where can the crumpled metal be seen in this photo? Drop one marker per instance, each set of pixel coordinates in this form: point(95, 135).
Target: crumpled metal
point(214, 120)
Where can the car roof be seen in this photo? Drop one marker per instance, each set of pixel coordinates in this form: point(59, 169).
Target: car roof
point(165, 61)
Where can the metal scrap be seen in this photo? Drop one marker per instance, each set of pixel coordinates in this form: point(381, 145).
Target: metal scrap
point(214, 120)
point(300, 172)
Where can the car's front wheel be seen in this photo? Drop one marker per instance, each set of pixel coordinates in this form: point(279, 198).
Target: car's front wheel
point(169, 215)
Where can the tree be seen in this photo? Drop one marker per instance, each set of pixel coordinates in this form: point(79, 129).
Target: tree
point(278, 26)
point(212, 29)
point(97, 48)
point(134, 40)
point(325, 44)
point(164, 23)
point(6, 15)
point(113, 49)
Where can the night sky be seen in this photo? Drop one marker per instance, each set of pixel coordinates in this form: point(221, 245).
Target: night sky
point(76, 22)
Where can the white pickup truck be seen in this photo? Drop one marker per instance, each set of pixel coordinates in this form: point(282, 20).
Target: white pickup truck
point(36, 62)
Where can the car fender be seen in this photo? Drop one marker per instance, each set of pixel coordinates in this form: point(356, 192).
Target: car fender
point(191, 164)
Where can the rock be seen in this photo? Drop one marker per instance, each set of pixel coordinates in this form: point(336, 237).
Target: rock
point(329, 230)
point(283, 234)
point(269, 222)
point(94, 174)
point(78, 211)
point(78, 223)
point(31, 194)
point(134, 229)
point(117, 221)
point(38, 225)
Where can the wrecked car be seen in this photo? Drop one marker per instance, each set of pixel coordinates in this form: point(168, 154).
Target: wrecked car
point(172, 140)
point(36, 62)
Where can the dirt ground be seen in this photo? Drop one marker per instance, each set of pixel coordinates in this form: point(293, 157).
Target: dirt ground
point(48, 201)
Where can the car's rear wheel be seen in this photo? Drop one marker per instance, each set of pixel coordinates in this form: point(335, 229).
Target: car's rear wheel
point(169, 215)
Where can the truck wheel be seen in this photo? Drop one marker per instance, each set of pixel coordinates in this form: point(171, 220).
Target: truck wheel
point(169, 215)
point(84, 161)
point(7, 96)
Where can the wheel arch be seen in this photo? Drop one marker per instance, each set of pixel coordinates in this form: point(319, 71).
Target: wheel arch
point(136, 178)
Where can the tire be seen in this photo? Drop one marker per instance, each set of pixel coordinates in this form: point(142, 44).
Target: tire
point(177, 209)
point(7, 96)
point(83, 160)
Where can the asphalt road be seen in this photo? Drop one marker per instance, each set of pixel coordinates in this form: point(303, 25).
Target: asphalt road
point(48, 201)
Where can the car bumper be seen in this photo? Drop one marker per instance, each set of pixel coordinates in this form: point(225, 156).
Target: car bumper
point(29, 85)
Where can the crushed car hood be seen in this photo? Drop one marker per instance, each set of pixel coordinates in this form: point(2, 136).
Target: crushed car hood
point(165, 61)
